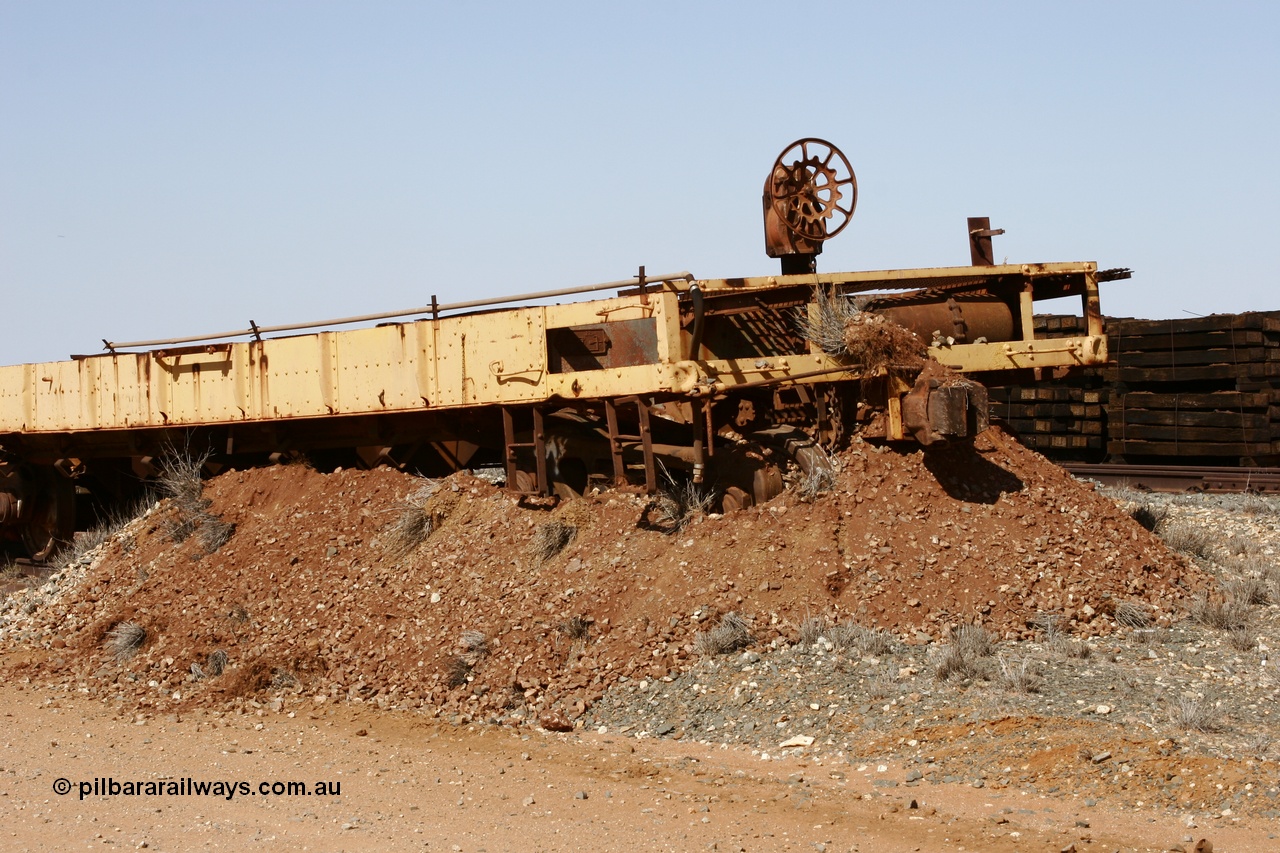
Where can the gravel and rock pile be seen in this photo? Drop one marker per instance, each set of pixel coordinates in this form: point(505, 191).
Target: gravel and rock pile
point(1185, 717)
point(316, 595)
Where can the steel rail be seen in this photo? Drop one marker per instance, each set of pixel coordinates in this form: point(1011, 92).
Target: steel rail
point(433, 309)
point(1180, 478)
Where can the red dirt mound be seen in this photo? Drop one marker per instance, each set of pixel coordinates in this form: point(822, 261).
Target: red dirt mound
point(309, 598)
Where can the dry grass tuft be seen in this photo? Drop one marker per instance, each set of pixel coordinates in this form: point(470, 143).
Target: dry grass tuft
point(884, 685)
point(576, 628)
point(474, 643)
point(283, 678)
point(974, 641)
point(1181, 535)
point(1196, 715)
point(1242, 639)
point(83, 544)
point(1248, 590)
point(213, 533)
point(812, 629)
point(1150, 516)
point(1255, 504)
point(845, 637)
point(125, 639)
point(457, 671)
point(964, 657)
point(1133, 614)
point(1019, 678)
point(1078, 649)
point(677, 505)
point(1149, 636)
point(825, 325)
point(820, 480)
point(180, 481)
point(551, 538)
point(873, 642)
point(1243, 545)
point(216, 663)
point(1063, 646)
point(733, 633)
point(88, 541)
point(414, 523)
point(179, 528)
point(1222, 612)
point(953, 663)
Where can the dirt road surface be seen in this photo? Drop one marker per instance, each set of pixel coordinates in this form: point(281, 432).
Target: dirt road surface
point(409, 784)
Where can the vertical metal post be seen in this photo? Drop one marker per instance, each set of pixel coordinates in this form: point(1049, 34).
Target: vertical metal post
point(1027, 313)
point(509, 438)
point(540, 453)
point(699, 450)
point(1092, 307)
point(646, 440)
point(615, 443)
point(710, 434)
point(981, 253)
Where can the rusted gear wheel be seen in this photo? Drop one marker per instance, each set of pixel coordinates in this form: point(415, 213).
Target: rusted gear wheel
point(813, 189)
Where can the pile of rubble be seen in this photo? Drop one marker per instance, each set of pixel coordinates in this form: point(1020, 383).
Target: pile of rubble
point(374, 586)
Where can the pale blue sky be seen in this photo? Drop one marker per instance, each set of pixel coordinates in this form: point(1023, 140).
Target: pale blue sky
point(175, 168)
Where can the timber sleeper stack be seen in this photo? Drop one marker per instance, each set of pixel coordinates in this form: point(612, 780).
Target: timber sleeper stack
point(1200, 389)
point(1065, 419)
point(1061, 421)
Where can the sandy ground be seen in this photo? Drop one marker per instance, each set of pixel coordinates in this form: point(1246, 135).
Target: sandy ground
point(409, 784)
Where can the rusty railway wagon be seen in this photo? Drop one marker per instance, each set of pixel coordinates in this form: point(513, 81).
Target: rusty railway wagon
point(710, 379)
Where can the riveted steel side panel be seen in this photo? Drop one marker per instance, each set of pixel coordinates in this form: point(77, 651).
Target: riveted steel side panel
point(374, 369)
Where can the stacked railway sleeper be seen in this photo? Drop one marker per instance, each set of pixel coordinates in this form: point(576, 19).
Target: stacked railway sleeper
point(1064, 416)
point(1064, 419)
point(714, 384)
point(1201, 391)
point(1201, 388)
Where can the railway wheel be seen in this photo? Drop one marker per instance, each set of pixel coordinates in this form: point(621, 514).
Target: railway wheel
point(766, 483)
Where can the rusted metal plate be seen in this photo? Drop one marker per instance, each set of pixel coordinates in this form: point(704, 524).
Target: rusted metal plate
point(621, 343)
point(981, 253)
point(940, 409)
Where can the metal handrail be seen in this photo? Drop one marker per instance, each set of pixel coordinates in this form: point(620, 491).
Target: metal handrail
point(434, 309)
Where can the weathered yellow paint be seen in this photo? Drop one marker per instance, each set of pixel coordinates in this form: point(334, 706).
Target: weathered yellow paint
point(1010, 355)
point(494, 358)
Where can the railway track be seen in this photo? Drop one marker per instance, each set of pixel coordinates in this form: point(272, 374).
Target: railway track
point(1180, 478)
